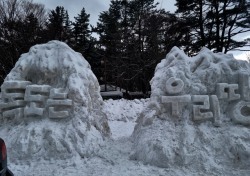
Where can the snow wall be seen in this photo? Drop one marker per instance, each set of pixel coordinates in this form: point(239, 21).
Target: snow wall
point(51, 105)
point(198, 116)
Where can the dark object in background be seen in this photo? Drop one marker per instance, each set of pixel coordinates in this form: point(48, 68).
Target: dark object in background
point(4, 171)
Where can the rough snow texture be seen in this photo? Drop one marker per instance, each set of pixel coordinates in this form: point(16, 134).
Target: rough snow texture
point(198, 115)
point(113, 158)
point(122, 115)
point(52, 74)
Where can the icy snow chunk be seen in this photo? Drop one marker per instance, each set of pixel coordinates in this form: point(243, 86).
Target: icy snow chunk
point(51, 105)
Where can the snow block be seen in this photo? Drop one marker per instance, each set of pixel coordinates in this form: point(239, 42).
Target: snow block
point(241, 113)
point(35, 96)
point(227, 91)
point(244, 85)
point(174, 86)
point(51, 105)
point(203, 100)
point(215, 106)
point(176, 103)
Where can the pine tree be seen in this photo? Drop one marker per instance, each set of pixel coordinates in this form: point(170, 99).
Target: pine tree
point(125, 35)
point(67, 29)
point(109, 30)
point(58, 26)
point(82, 33)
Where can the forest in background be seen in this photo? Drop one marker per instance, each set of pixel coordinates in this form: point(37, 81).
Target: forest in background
point(133, 35)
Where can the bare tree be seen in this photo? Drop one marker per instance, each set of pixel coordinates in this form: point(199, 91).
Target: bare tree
point(13, 10)
point(20, 24)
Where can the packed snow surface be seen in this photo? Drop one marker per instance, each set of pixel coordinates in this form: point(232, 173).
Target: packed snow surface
point(198, 115)
point(189, 126)
point(114, 157)
point(51, 106)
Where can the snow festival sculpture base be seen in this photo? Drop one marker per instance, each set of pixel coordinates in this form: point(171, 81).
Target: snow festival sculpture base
point(198, 115)
point(51, 105)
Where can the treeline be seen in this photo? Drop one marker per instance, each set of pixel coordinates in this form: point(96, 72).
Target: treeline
point(133, 35)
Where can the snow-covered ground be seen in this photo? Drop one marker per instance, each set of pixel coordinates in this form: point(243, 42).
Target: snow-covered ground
point(114, 157)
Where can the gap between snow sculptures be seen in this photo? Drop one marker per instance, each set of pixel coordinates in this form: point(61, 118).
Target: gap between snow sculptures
point(51, 105)
point(212, 88)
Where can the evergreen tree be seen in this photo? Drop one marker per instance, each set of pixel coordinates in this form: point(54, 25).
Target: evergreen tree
point(82, 33)
point(133, 38)
point(20, 27)
point(58, 26)
point(109, 30)
point(67, 29)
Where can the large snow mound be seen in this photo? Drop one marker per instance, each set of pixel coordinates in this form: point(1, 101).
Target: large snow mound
point(51, 105)
point(198, 115)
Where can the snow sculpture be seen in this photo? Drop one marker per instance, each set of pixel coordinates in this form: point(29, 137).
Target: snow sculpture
point(174, 86)
point(215, 106)
point(51, 105)
point(176, 102)
point(227, 91)
point(241, 113)
point(58, 99)
point(12, 94)
point(35, 95)
point(204, 101)
point(198, 116)
point(206, 78)
point(244, 82)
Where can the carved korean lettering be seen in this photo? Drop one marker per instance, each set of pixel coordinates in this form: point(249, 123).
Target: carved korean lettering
point(36, 96)
point(241, 113)
point(227, 91)
point(207, 107)
point(201, 103)
point(59, 102)
point(13, 103)
point(174, 86)
point(215, 107)
point(22, 99)
point(244, 83)
point(176, 103)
